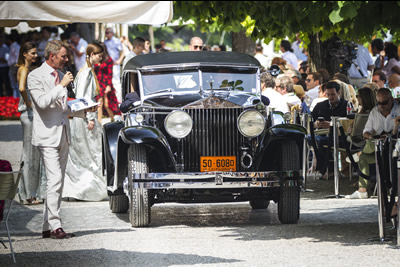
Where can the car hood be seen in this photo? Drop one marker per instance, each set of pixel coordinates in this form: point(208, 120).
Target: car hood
point(195, 100)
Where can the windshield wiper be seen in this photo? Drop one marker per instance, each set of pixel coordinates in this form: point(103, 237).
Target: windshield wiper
point(161, 91)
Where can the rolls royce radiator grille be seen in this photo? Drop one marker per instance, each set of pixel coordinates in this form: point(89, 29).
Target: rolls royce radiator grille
point(214, 133)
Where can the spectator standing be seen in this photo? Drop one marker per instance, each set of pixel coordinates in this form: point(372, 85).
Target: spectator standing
point(32, 185)
point(114, 49)
point(78, 47)
point(358, 72)
point(377, 47)
point(107, 95)
point(147, 46)
point(196, 44)
point(12, 62)
point(137, 49)
point(45, 33)
point(288, 54)
point(379, 78)
point(392, 59)
point(260, 56)
point(83, 177)
point(4, 68)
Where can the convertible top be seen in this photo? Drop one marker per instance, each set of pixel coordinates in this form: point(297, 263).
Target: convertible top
point(192, 58)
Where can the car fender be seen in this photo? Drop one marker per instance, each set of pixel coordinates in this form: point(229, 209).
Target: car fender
point(109, 147)
point(276, 134)
point(157, 148)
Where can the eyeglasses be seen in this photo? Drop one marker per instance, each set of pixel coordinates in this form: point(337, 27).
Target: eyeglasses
point(108, 32)
point(308, 80)
point(198, 47)
point(383, 103)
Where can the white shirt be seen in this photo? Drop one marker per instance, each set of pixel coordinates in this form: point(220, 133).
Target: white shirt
point(263, 60)
point(363, 60)
point(114, 47)
point(292, 99)
point(290, 58)
point(80, 60)
point(128, 56)
point(277, 101)
point(14, 53)
point(377, 123)
point(312, 94)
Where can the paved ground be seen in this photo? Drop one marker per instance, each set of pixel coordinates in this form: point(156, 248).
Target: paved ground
point(330, 232)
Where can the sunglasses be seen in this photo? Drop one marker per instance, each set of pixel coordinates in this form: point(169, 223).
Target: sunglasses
point(383, 103)
point(308, 80)
point(198, 47)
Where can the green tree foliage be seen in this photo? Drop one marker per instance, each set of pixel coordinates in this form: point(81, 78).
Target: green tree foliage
point(349, 20)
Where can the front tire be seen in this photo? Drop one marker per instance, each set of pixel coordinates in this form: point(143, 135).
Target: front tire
point(139, 205)
point(259, 204)
point(289, 197)
point(119, 203)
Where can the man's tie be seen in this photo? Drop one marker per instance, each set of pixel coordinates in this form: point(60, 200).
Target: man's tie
point(55, 74)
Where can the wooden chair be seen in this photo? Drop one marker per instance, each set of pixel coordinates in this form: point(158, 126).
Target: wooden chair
point(8, 189)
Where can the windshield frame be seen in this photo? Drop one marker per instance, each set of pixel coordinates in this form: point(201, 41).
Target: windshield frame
point(200, 69)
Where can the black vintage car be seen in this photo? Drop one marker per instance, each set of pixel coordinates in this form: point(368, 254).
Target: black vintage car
point(200, 132)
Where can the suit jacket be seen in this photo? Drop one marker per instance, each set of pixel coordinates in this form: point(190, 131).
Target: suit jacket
point(50, 113)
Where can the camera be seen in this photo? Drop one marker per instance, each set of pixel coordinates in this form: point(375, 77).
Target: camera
point(344, 52)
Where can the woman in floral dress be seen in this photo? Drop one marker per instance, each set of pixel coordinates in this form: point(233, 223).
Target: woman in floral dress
point(107, 95)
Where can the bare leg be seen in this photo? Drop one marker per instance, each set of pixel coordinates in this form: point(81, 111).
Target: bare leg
point(108, 109)
point(100, 110)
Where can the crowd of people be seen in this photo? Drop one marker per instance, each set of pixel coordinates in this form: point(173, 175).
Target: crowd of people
point(45, 71)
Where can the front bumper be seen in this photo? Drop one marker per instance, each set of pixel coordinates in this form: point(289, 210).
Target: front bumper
point(212, 180)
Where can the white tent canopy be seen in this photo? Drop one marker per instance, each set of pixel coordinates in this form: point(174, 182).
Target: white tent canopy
point(46, 13)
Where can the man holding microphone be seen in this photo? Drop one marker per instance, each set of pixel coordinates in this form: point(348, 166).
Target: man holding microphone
point(51, 132)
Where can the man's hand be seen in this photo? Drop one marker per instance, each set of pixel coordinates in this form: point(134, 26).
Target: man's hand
point(322, 124)
point(368, 135)
point(67, 79)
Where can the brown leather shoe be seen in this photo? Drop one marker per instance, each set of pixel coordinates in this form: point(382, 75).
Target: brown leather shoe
point(46, 234)
point(60, 234)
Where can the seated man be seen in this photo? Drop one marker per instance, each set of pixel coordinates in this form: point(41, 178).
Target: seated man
point(130, 98)
point(383, 118)
point(334, 106)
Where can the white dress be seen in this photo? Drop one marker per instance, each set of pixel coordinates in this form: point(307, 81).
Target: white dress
point(83, 178)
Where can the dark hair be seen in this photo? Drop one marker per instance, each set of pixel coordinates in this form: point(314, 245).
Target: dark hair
point(378, 44)
point(368, 99)
point(137, 41)
point(334, 85)
point(325, 75)
point(286, 45)
point(381, 75)
point(323, 87)
point(259, 48)
point(341, 77)
point(391, 51)
point(106, 56)
point(25, 47)
point(317, 76)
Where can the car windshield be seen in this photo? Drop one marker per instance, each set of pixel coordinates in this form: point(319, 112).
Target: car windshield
point(229, 79)
point(161, 82)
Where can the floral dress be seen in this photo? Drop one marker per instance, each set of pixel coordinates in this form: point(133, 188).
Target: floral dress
point(104, 75)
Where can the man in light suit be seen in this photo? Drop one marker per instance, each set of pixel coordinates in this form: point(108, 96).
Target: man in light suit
point(51, 132)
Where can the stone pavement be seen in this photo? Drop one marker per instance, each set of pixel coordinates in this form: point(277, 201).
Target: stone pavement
point(330, 232)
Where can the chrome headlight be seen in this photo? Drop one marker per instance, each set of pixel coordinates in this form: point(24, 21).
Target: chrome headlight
point(178, 124)
point(287, 117)
point(251, 123)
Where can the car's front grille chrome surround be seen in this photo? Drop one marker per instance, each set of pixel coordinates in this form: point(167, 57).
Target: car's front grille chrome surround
point(214, 133)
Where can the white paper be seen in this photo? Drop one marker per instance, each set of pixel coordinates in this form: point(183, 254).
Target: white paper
point(81, 104)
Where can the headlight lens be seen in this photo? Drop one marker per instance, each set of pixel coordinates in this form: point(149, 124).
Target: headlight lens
point(251, 123)
point(178, 124)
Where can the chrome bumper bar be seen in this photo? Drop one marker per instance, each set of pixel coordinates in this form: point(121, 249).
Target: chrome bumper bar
point(210, 180)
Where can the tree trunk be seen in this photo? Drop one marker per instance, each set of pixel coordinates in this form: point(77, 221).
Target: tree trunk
point(243, 44)
point(322, 56)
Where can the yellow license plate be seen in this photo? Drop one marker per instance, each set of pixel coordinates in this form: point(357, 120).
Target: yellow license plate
point(210, 164)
